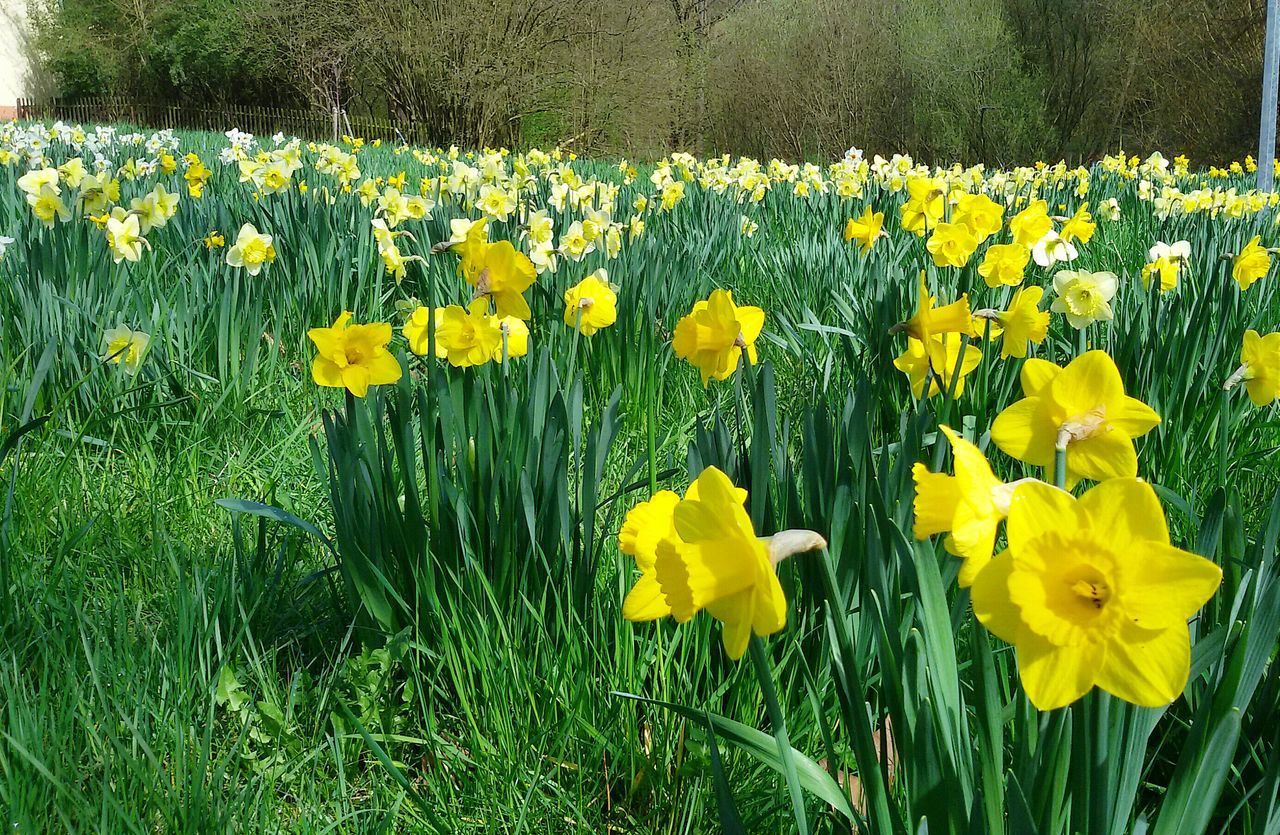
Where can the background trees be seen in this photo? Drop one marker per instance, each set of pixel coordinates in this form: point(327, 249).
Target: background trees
point(974, 79)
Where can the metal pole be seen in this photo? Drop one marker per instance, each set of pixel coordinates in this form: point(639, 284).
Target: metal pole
point(1270, 79)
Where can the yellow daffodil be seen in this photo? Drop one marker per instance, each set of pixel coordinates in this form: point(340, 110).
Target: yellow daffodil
point(500, 271)
point(931, 319)
point(124, 238)
point(463, 336)
point(1031, 224)
point(252, 250)
point(967, 506)
point(951, 244)
point(155, 209)
point(925, 204)
point(1084, 297)
point(196, 176)
point(1080, 226)
point(1259, 367)
point(466, 236)
point(591, 304)
point(1091, 593)
point(1082, 409)
point(716, 333)
point(865, 230)
point(37, 180)
point(514, 339)
point(214, 240)
point(982, 215)
point(46, 204)
point(701, 552)
point(941, 355)
point(1250, 264)
point(1004, 265)
point(124, 346)
point(647, 524)
point(97, 193)
point(353, 357)
point(1165, 271)
point(73, 172)
point(1023, 322)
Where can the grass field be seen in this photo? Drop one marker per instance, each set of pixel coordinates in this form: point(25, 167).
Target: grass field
point(240, 593)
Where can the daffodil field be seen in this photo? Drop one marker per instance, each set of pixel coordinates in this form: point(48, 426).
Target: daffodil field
point(359, 488)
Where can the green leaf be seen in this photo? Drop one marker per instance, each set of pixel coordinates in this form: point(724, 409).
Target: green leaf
point(813, 777)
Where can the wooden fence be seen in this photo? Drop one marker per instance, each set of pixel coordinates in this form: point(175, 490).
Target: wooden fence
point(260, 121)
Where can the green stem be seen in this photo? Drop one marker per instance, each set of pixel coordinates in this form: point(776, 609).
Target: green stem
point(765, 673)
point(1060, 468)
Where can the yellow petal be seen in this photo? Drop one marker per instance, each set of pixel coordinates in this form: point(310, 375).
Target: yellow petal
point(991, 602)
point(1088, 381)
point(1100, 457)
point(1147, 667)
point(645, 525)
point(751, 319)
point(1037, 509)
point(645, 600)
point(736, 615)
point(356, 379)
point(1036, 374)
point(1126, 511)
point(1055, 676)
point(383, 368)
point(1026, 432)
point(1134, 418)
point(325, 373)
point(1163, 586)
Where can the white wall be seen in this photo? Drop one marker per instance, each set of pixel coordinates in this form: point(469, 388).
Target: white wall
point(13, 61)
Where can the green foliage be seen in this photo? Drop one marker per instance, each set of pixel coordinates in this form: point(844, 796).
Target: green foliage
point(235, 601)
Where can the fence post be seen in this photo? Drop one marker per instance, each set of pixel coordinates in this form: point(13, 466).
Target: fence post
point(1267, 126)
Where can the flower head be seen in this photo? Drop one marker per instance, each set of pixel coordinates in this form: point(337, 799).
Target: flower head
point(941, 355)
point(1080, 226)
point(1259, 367)
point(1023, 322)
point(353, 357)
point(46, 204)
point(1004, 265)
point(967, 506)
point(500, 271)
point(1082, 409)
point(982, 215)
point(1091, 593)
point(591, 304)
point(252, 250)
point(865, 229)
point(925, 204)
point(951, 244)
point(1052, 249)
point(124, 346)
point(1031, 224)
point(463, 336)
point(1084, 297)
point(701, 552)
point(124, 238)
point(716, 333)
point(931, 319)
point(1250, 264)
